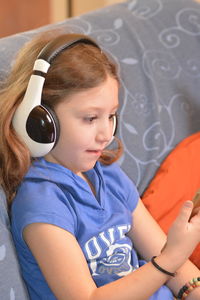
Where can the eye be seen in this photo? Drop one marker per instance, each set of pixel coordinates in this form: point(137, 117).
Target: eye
point(90, 119)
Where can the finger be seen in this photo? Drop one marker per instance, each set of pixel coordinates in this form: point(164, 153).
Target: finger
point(185, 212)
point(195, 211)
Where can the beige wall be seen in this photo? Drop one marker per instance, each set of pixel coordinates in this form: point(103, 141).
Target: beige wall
point(58, 10)
point(82, 6)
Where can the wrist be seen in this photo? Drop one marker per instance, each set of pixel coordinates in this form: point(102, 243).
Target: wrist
point(175, 258)
point(189, 289)
point(166, 262)
point(159, 268)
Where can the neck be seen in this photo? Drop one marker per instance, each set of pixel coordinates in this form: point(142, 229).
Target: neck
point(84, 177)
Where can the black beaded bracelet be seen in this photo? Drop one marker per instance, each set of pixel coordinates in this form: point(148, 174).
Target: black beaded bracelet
point(188, 287)
point(161, 269)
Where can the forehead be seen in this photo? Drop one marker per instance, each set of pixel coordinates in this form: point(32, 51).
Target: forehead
point(101, 97)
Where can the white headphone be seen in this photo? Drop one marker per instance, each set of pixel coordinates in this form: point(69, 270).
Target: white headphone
point(36, 124)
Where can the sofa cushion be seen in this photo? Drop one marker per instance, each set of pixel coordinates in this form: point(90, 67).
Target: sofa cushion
point(11, 284)
point(176, 181)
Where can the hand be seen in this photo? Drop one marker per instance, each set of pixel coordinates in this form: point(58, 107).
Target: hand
point(184, 234)
point(194, 212)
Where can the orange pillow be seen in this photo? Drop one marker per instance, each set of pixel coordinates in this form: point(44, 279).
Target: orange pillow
point(176, 181)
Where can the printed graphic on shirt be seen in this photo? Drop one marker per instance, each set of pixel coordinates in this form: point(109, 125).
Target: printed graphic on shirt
point(109, 253)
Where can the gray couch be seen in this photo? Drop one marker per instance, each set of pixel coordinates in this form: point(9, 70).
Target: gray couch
point(156, 45)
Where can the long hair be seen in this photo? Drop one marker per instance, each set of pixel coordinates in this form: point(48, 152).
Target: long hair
point(79, 68)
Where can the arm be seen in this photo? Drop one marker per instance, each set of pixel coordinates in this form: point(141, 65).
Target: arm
point(149, 239)
point(64, 267)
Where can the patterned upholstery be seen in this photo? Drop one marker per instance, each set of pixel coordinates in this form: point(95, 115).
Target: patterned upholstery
point(156, 46)
point(11, 284)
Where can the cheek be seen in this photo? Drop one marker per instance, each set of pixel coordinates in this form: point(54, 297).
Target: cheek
point(78, 138)
point(83, 138)
point(75, 133)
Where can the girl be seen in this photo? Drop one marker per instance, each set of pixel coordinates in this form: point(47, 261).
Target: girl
point(77, 220)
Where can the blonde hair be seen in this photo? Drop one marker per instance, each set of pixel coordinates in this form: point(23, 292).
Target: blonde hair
point(65, 77)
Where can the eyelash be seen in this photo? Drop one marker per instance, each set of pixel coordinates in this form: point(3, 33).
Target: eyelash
point(91, 119)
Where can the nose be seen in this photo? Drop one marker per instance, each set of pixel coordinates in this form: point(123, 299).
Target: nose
point(104, 133)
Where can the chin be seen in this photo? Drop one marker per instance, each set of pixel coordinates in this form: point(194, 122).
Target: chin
point(89, 167)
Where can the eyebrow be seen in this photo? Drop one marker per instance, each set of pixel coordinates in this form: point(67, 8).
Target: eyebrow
point(99, 108)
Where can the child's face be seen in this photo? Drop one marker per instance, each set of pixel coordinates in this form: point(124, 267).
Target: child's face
point(86, 126)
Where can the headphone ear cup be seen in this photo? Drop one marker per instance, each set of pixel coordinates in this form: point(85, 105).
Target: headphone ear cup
point(115, 122)
point(35, 124)
point(42, 125)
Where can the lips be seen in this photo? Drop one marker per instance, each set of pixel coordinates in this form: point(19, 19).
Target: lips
point(96, 152)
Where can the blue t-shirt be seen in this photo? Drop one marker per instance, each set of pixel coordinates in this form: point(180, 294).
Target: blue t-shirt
point(52, 194)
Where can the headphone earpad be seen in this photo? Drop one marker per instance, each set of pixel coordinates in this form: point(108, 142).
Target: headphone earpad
point(42, 125)
point(115, 123)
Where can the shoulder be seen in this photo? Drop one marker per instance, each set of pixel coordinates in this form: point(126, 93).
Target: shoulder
point(114, 173)
point(119, 183)
point(41, 202)
point(33, 193)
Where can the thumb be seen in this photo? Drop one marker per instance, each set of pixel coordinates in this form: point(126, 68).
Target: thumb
point(185, 212)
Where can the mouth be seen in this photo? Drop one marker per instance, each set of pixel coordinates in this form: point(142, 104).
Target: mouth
point(95, 152)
